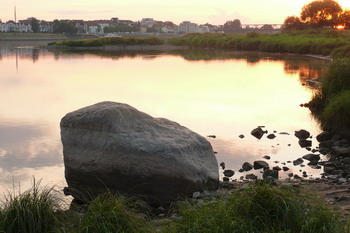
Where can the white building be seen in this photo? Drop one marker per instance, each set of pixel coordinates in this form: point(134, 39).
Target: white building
point(147, 22)
point(188, 27)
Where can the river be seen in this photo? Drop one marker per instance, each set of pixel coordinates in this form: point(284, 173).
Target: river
point(222, 93)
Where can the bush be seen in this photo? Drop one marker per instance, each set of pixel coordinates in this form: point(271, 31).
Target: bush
point(259, 208)
point(32, 211)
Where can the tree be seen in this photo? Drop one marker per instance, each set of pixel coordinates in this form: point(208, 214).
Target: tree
point(35, 25)
point(64, 27)
point(235, 24)
point(293, 22)
point(267, 27)
point(321, 13)
point(345, 19)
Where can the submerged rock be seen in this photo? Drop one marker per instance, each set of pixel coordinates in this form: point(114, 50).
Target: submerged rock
point(114, 147)
point(260, 164)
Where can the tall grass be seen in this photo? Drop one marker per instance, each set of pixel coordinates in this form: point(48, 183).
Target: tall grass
point(111, 41)
point(32, 211)
point(259, 208)
point(110, 214)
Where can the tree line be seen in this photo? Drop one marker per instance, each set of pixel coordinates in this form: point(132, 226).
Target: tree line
point(319, 14)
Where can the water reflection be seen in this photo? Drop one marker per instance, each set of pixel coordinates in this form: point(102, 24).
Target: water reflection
point(210, 92)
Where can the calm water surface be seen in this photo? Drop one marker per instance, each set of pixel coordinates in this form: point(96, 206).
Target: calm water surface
point(210, 92)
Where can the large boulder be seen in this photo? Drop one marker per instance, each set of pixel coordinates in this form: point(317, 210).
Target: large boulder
point(114, 147)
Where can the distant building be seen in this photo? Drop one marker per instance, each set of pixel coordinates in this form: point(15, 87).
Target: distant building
point(45, 27)
point(147, 22)
point(188, 27)
point(24, 25)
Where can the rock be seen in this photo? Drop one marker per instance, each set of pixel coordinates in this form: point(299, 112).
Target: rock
point(298, 161)
point(343, 180)
point(285, 169)
point(251, 177)
point(241, 136)
point(289, 144)
point(323, 150)
point(260, 164)
point(326, 144)
point(305, 143)
point(313, 162)
point(211, 136)
point(315, 166)
point(329, 167)
point(229, 173)
point(296, 176)
point(114, 147)
point(196, 194)
point(302, 134)
point(247, 166)
point(205, 193)
point(270, 180)
point(272, 173)
point(276, 161)
point(222, 165)
point(311, 157)
point(342, 151)
point(241, 170)
point(271, 136)
point(284, 133)
point(290, 175)
point(267, 157)
point(289, 161)
point(225, 179)
point(66, 191)
point(346, 161)
point(277, 168)
point(258, 132)
point(324, 136)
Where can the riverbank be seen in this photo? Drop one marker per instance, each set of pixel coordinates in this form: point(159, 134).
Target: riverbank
point(322, 43)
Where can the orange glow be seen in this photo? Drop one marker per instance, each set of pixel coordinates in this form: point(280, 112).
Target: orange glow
point(340, 27)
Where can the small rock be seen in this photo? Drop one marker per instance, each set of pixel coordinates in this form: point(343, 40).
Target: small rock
point(290, 175)
point(289, 161)
point(251, 177)
point(311, 157)
point(284, 133)
point(196, 194)
point(247, 166)
point(222, 165)
point(241, 170)
point(302, 134)
point(343, 180)
point(260, 164)
point(298, 161)
point(241, 136)
point(296, 176)
point(267, 157)
point(289, 144)
point(229, 173)
point(211, 136)
point(276, 161)
point(258, 132)
point(272, 173)
point(271, 136)
point(270, 180)
point(225, 179)
point(277, 168)
point(205, 193)
point(324, 136)
point(285, 169)
point(305, 143)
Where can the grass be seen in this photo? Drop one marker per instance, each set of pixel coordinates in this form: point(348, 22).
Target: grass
point(30, 211)
point(259, 208)
point(331, 103)
point(306, 42)
point(110, 41)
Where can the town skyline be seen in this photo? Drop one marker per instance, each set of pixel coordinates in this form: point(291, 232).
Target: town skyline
point(201, 12)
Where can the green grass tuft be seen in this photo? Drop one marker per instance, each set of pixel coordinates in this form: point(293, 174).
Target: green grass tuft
point(32, 211)
point(259, 208)
point(110, 214)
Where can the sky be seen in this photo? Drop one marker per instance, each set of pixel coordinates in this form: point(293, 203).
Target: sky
point(198, 11)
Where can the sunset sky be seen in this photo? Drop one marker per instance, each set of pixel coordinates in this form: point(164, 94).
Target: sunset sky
point(198, 11)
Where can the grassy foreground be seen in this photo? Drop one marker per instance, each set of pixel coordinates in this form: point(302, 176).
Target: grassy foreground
point(258, 208)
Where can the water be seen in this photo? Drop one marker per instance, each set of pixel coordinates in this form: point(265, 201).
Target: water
point(210, 92)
